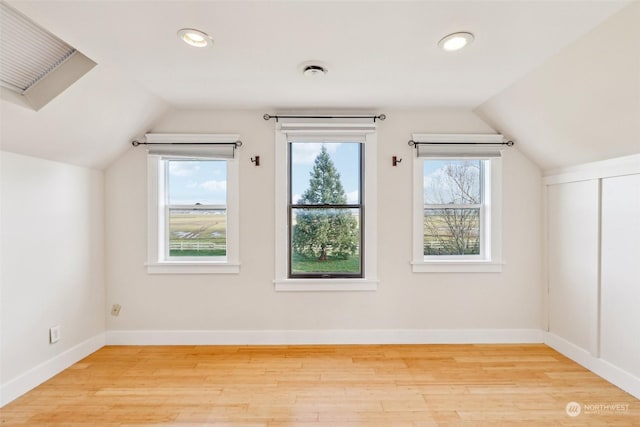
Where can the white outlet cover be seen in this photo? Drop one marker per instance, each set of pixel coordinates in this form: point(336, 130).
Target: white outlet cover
point(54, 334)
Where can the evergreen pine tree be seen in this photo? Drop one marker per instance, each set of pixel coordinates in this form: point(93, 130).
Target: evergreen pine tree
point(322, 232)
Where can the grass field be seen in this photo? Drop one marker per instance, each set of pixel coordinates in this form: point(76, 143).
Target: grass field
point(302, 264)
point(198, 233)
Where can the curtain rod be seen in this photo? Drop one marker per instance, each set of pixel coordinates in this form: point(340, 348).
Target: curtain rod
point(135, 143)
point(380, 117)
point(413, 143)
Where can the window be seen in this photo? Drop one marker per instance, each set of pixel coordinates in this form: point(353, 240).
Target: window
point(325, 182)
point(457, 204)
point(195, 209)
point(325, 209)
point(193, 204)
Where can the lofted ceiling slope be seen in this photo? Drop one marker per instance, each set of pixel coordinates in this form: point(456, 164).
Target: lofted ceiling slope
point(380, 54)
point(583, 104)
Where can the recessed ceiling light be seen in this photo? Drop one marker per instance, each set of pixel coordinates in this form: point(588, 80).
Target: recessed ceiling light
point(194, 37)
point(455, 41)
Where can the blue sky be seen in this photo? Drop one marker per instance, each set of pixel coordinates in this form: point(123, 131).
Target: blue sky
point(345, 157)
point(434, 179)
point(205, 181)
point(197, 181)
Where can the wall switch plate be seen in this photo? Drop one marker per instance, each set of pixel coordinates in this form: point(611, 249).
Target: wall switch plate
point(115, 310)
point(54, 334)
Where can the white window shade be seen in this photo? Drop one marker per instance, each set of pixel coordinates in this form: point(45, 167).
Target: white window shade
point(475, 146)
point(327, 130)
point(217, 146)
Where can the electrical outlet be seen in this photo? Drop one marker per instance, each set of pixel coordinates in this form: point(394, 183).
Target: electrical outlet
point(115, 310)
point(54, 334)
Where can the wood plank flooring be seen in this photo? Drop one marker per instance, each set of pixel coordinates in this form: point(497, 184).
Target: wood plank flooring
point(313, 386)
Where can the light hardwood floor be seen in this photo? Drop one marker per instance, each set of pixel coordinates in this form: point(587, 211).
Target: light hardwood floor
point(379, 385)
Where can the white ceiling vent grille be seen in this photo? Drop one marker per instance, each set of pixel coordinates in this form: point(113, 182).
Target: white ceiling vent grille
point(28, 52)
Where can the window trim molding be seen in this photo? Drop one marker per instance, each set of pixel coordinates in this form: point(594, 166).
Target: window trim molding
point(156, 234)
point(492, 262)
point(328, 132)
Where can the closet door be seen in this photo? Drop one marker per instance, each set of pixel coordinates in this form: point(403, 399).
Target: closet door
point(620, 283)
point(573, 221)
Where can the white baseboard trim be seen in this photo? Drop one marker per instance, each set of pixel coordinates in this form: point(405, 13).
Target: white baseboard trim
point(618, 377)
point(332, 336)
point(35, 376)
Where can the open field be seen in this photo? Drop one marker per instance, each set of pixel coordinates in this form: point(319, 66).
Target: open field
point(198, 233)
point(302, 264)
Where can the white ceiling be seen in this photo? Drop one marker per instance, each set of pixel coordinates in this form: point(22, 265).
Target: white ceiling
point(379, 54)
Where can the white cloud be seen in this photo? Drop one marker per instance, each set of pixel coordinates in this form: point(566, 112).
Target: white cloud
point(183, 168)
point(353, 196)
point(305, 153)
point(433, 183)
point(213, 185)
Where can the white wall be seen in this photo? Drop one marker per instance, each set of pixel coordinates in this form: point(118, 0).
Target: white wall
point(593, 273)
point(51, 268)
point(620, 328)
point(247, 301)
point(573, 238)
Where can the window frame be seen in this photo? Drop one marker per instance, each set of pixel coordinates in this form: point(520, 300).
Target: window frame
point(490, 258)
point(319, 132)
point(483, 211)
point(165, 245)
point(158, 259)
point(291, 206)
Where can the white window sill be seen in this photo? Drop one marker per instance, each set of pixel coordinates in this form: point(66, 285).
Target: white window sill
point(457, 266)
point(190, 267)
point(325, 285)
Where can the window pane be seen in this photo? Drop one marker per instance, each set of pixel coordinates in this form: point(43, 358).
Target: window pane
point(326, 173)
point(197, 232)
point(452, 231)
point(325, 241)
point(452, 182)
point(197, 181)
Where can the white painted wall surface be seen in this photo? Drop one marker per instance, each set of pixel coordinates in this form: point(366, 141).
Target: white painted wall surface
point(573, 225)
point(620, 312)
point(247, 301)
point(51, 269)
